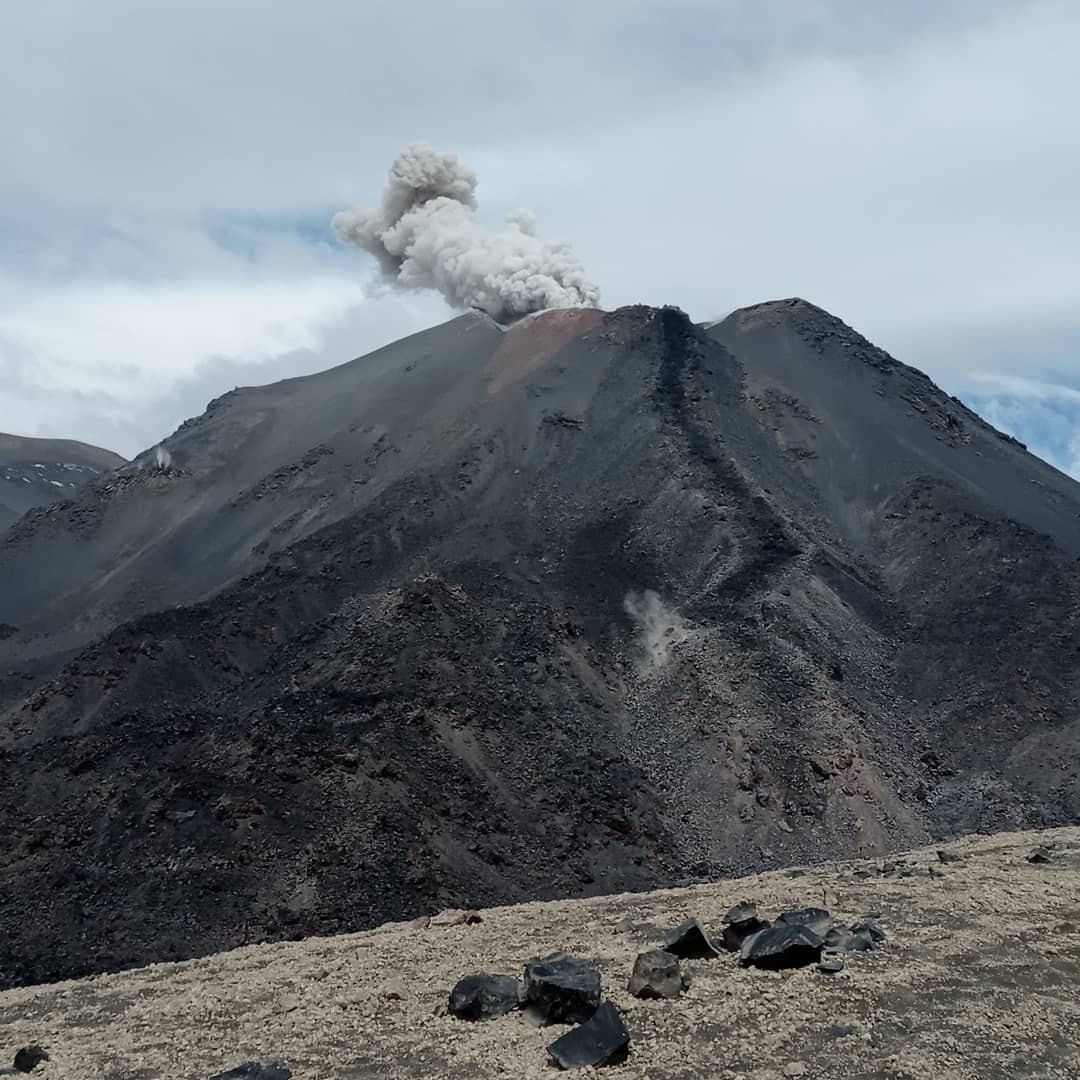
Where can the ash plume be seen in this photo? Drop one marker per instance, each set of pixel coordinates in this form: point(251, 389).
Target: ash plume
point(426, 235)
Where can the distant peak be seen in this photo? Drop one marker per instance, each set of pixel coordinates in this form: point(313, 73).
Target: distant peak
point(816, 326)
point(46, 446)
point(790, 309)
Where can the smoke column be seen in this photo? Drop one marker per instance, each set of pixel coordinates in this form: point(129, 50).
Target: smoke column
point(426, 235)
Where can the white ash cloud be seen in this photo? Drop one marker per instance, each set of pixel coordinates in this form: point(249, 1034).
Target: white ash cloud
point(426, 235)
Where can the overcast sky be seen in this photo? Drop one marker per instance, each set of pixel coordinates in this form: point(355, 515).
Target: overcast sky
point(168, 173)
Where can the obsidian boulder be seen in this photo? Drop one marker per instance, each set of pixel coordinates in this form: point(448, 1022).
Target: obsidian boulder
point(657, 974)
point(602, 1040)
point(562, 989)
point(782, 946)
point(813, 918)
point(256, 1070)
point(868, 930)
point(29, 1058)
point(739, 923)
point(741, 912)
point(689, 941)
point(831, 962)
point(484, 997)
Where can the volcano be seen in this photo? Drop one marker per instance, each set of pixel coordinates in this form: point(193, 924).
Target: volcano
point(599, 601)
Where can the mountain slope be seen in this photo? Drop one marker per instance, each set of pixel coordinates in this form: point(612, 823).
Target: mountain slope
point(588, 604)
point(37, 472)
point(976, 978)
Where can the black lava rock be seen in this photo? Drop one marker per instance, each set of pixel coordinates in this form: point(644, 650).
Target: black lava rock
point(737, 932)
point(561, 989)
point(740, 922)
point(741, 913)
point(484, 997)
point(843, 939)
point(868, 930)
point(28, 1058)
point(255, 1070)
point(657, 975)
point(813, 918)
point(603, 1040)
point(690, 942)
point(782, 946)
point(831, 962)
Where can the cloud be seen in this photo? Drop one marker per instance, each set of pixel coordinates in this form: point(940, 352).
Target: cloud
point(1043, 413)
point(902, 165)
point(122, 364)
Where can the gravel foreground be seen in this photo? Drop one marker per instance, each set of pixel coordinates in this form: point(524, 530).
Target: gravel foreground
point(977, 981)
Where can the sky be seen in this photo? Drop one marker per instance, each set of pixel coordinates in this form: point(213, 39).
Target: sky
point(169, 172)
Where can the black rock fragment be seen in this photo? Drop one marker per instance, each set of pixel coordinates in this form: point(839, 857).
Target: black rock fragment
point(484, 997)
point(657, 974)
point(782, 946)
point(255, 1070)
point(815, 919)
point(843, 938)
point(1040, 855)
point(603, 1040)
point(561, 989)
point(831, 962)
point(29, 1057)
point(740, 922)
point(838, 937)
point(737, 932)
point(741, 912)
point(690, 942)
point(867, 931)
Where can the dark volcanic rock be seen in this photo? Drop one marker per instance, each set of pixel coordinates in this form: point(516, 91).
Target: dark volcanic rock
point(603, 1040)
point(561, 989)
point(740, 922)
point(867, 931)
point(332, 667)
point(737, 932)
point(742, 912)
point(831, 962)
point(485, 997)
point(782, 947)
point(862, 938)
point(254, 1070)
point(690, 941)
point(28, 1058)
point(657, 974)
point(817, 920)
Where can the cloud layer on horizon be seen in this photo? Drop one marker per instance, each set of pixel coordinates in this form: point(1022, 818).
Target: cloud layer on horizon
point(163, 210)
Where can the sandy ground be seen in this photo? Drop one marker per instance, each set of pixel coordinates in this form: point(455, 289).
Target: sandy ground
point(980, 980)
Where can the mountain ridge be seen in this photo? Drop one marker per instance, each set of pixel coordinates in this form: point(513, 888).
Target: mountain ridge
point(36, 472)
point(669, 601)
